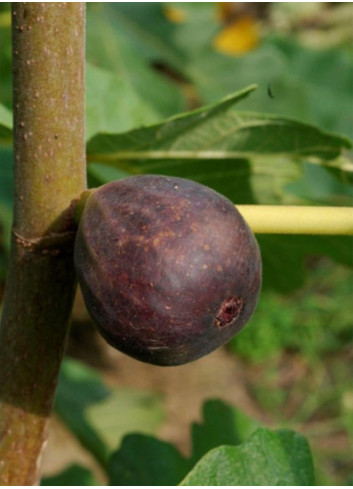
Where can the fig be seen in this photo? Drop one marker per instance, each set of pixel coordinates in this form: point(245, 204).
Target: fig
point(168, 268)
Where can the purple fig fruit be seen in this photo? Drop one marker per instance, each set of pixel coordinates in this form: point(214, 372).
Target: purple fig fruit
point(169, 269)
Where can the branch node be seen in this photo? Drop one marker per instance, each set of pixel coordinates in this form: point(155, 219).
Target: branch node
point(53, 244)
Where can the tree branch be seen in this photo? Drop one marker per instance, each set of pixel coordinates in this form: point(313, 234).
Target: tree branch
point(48, 70)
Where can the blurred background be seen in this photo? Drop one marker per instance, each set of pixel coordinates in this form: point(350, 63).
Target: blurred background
point(292, 365)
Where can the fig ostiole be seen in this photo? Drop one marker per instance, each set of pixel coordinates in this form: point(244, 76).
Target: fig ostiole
point(168, 268)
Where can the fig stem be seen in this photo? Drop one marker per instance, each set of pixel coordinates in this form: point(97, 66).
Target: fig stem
point(80, 205)
point(272, 219)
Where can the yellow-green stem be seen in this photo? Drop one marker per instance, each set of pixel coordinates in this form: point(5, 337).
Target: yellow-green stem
point(271, 219)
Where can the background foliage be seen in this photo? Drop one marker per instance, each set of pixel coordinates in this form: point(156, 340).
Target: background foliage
point(170, 90)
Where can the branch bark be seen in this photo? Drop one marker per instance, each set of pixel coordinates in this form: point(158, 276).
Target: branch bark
point(48, 80)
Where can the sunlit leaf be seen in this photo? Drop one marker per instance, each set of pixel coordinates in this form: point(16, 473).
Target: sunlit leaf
point(112, 105)
point(221, 425)
point(108, 48)
point(268, 458)
point(215, 132)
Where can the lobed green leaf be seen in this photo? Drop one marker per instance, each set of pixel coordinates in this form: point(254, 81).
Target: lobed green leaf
point(268, 458)
point(215, 132)
point(73, 475)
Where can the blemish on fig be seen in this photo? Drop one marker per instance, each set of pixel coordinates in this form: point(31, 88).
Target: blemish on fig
point(229, 312)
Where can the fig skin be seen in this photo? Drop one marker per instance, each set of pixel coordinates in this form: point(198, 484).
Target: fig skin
point(168, 268)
